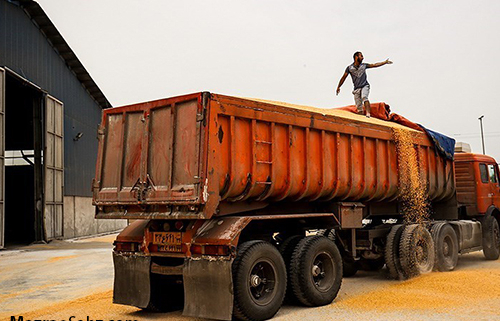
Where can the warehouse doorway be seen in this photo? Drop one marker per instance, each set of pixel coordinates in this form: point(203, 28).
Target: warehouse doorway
point(21, 102)
point(31, 160)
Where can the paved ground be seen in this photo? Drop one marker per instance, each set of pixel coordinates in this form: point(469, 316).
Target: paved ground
point(64, 279)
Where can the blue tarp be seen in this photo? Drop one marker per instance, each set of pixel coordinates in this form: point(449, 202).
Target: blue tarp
point(444, 145)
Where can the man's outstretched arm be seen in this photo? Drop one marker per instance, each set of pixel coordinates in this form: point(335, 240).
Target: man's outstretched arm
point(379, 64)
point(341, 82)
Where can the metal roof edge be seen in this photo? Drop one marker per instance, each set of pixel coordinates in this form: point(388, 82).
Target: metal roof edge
point(35, 12)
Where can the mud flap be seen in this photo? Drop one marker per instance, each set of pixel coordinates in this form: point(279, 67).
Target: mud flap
point(208, 288)
point(132, 283)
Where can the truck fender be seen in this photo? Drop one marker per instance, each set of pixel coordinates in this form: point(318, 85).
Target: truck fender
point(221, 231)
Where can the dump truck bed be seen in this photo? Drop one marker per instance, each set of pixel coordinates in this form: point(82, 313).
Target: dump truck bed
point(205, 154)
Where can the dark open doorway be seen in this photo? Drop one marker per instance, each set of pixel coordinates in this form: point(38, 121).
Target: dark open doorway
point(23, 103)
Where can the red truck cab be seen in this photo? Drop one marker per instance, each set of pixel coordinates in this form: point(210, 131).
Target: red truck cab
point(477, 182)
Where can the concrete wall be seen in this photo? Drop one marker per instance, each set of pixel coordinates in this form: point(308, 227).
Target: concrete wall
point(79, 219)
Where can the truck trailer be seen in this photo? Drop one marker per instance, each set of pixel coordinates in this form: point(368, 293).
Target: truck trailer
point(236, 204)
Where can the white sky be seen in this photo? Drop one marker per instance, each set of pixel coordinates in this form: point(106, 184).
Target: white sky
point(444, 75)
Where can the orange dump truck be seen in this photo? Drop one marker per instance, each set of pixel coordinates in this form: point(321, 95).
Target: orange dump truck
point(237, 203)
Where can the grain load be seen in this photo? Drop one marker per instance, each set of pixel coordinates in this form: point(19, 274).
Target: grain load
point(337, 112)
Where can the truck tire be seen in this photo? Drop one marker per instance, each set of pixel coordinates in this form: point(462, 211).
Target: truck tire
point(328, 233)
point(316, 271)
point(259, 278)
point(446, 247)
point(392, 252)
point(436, 227)
point(491, 238)
point(416, 251)
point(286, 249)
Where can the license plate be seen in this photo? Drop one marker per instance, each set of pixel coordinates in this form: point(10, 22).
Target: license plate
point(170, 248)
point(167, 238)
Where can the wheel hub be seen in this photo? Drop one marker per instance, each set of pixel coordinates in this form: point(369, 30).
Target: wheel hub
point(255, 280)
point(420, 253)
point(316, 270)
point(446, 249)
point(262, 281)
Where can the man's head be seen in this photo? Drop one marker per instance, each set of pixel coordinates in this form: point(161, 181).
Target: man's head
point(358, 57)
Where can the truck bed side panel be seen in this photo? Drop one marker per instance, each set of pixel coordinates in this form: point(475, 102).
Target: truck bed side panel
point(270, 153)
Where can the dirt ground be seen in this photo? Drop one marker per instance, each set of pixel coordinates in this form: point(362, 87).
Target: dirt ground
point(74, 278)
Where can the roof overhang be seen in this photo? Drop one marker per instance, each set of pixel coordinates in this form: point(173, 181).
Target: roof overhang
point(56, 40)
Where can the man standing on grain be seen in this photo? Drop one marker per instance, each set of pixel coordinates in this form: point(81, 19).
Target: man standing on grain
point(361, 85)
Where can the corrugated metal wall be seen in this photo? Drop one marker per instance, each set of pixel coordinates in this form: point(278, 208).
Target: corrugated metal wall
point(25, 50)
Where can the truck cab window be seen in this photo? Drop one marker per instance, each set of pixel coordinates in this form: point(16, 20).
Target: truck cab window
point(484, 173)
point(492, 173)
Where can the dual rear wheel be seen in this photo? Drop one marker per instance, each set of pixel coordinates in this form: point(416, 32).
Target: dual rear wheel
point(259, 281)
point(315, 271)
point(311, 266)
point(412, 250)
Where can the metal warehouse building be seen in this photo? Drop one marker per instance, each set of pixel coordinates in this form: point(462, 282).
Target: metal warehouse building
point(50, 111)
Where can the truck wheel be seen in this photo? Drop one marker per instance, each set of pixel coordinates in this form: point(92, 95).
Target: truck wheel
point(446, 247)
point(417, 252)
point(286, 249)
point(491, 238)
point(436, 227)
point(392, 252)
point(316, 271)
point(259, 278)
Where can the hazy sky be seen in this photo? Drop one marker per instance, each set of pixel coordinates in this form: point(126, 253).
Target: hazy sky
point(445, 72)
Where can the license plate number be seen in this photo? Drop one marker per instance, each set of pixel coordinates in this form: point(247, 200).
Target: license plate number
point(169, 248)
point(167, 238)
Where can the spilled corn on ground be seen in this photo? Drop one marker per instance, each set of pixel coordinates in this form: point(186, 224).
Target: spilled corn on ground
point(467, 294)
point(435, 292)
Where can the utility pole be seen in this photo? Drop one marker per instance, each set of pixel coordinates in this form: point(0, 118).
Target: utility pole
point(482, 134)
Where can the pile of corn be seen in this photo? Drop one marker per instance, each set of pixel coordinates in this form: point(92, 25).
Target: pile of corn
point(412, 184)
point(335, 112)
